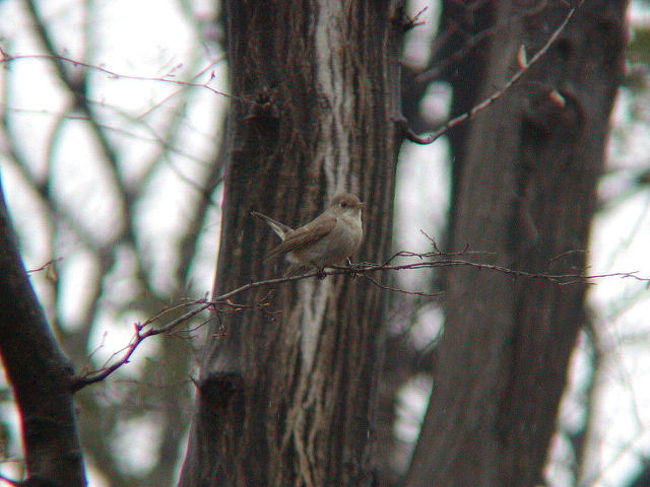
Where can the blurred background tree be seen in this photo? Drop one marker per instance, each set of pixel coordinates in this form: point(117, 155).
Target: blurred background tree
point(113, 168)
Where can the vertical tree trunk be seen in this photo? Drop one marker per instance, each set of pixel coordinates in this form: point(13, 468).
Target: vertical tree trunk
point(525, 197)
point(287, 386)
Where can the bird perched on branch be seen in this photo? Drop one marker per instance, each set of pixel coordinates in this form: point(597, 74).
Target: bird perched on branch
point(327, 240)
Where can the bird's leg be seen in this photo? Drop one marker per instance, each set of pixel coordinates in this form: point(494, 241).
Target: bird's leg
point(353, 274)
point(321, 273)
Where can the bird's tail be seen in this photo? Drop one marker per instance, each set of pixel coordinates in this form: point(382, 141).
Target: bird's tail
point(280, 229)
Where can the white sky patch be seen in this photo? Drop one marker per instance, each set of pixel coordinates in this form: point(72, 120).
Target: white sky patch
point(132, 444)
point(421, 204)
point(436, 103)
point(74, 272)
point(418, 39)
point(428, 324)
point(412, 403)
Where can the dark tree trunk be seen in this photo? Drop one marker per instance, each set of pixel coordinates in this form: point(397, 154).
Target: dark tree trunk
point(467, 28)
point(39, 374)
point(525, 196)
point(287, 387)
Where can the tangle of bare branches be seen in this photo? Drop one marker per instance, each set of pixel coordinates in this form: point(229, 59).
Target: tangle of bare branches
point(224, 302)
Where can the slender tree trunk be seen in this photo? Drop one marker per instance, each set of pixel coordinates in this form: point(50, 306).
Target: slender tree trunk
point(526, 197)
point(39, 374)
point(287, 387)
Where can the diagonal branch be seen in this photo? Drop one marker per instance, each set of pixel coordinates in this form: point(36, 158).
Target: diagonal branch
point(139, 336)
point(463, 117)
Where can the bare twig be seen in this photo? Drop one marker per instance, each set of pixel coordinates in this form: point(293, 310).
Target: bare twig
point(400, 290)
point(559, 279)
point(195, 77)
point(139, 336)
point(45, 267)
point(7, 58)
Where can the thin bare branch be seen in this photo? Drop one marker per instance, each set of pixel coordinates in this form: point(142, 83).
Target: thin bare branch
point(161, 140)
point(523, 68)
point(8, 58)
point(400, 290)
point(224, 301)
point(139, 336)
point(190, 84)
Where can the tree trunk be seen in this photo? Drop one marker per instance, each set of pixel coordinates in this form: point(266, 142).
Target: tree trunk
point(39, 374)
point(287, 387)
point(525, 199)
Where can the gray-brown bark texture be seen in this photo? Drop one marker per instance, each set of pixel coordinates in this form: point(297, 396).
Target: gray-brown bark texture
point(287, 387)
point(39, 374)
point(526, 196)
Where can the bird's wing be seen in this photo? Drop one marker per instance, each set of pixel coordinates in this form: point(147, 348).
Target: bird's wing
point(308, 234)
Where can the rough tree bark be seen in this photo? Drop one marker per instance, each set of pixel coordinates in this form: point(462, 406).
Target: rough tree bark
point(525, 197)
point(39, 374)
point(287, 387)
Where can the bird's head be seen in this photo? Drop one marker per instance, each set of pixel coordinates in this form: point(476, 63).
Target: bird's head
point(346, 203)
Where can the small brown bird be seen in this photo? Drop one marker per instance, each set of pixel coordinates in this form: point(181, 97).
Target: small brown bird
point(327, 240)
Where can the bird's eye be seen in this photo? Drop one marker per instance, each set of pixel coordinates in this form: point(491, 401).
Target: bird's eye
point(343, 204)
